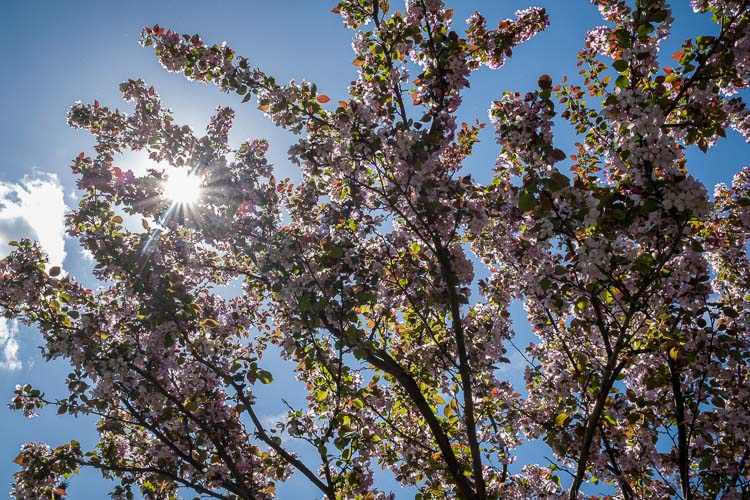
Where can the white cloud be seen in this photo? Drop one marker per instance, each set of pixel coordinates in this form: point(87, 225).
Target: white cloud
point(87, 254)
point(9, 345)
point(34, 208)
point(271, 422)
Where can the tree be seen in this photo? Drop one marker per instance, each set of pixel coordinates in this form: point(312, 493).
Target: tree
point(636, 282)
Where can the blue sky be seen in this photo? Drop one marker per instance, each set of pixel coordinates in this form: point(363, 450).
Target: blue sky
point(59, 52)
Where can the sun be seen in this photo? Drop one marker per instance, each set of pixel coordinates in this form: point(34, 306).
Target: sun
point(183, 188)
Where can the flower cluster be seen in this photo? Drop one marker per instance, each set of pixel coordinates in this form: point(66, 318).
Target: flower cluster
point(385, 278)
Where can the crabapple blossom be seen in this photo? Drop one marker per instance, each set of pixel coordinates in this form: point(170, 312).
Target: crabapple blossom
point(385, 277)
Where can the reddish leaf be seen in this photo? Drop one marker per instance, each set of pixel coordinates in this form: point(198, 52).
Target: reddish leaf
point(323, 99)
point(545, 81)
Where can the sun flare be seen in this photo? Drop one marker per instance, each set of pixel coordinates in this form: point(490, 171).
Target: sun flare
point(182, 187)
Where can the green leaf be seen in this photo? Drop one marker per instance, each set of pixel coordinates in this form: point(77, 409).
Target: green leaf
point(526, 201)
point(674, 353)
point(622, 81)
point(644, 264)
point(334, 251)
point(645, 29)
point(651, 205)
point(659, 16)
point(620, 65)
point(546, 284)
point(704, 41)
point(559, 181)
point(265, 376)
point(561, 419)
